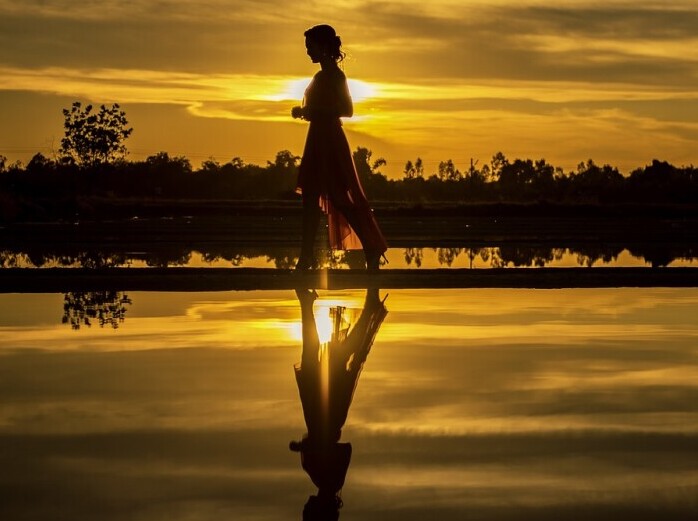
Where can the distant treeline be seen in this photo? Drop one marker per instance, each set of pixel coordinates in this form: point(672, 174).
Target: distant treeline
point(502, 180)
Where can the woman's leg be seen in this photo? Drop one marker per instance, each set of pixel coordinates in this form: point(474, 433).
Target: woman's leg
point(310, 222)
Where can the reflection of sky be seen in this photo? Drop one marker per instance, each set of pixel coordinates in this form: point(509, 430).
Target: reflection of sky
point(474, 403)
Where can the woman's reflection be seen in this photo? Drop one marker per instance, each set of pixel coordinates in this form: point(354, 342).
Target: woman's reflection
point(326, 377)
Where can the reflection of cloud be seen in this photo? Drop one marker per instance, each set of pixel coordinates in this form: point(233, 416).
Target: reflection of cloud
point(549, 405)
point(201, 320)
point(510, 359)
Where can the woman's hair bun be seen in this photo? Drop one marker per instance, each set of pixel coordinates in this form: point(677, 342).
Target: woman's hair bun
point(326, 36)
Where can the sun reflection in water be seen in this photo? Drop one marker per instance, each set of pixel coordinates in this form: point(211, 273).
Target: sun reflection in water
point(324, 319)
point(323, 322)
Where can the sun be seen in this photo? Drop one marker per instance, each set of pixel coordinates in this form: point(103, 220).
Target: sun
point(295, 90)
point(361, 90)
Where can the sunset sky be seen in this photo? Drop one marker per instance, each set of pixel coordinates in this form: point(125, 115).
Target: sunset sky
point(615, 81)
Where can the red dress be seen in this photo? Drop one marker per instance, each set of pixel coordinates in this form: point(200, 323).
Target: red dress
point(327, 169)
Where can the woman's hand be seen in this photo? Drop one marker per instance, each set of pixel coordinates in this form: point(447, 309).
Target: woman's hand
point(297, 112)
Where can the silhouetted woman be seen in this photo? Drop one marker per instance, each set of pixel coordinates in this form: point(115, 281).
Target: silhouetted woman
point(327, 176)
point(326, 378)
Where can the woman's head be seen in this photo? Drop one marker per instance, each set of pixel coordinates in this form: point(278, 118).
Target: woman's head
point(322, 42)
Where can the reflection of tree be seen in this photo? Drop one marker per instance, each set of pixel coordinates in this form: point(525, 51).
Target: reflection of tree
point(589, 255)
point(235, 258)
point(106, 307)
point(447, 255)
point(657, 254)
point(94, 259)
point(660, 256)
point(518, 256)
point(354, 259)
point(9, 259)
point(82, 259)
point(174, 257)
point(414, 255)
point(472, 253)
point(283, 261)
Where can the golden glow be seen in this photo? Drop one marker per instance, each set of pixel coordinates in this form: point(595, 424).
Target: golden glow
point(323, 319)
point(295, 90)
point(614, 50)
point(323, 323)
point(441, 79)
point(529, 343)
point(404, 117)
point(147, 86)
point(361, 90)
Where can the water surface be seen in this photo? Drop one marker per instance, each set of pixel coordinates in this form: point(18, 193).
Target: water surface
point(472, 404)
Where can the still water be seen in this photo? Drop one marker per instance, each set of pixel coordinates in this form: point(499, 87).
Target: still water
point(472, 404)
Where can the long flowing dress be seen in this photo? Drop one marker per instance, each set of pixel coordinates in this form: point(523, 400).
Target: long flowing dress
point(327, 169)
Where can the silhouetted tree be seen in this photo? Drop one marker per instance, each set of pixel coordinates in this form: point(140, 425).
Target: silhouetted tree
point(209, 166)
point(373, 182)
point(285, 160)
point(38, 164)
point(598, 183)
point(448, 171)
point(497, 163)
point(237, 163)
point(15, 167)
point(410, 172)
point(93, 139)
point(364, 167)
point(164, 164)
point(279, 177)
point(661, 181)
point(419, 167)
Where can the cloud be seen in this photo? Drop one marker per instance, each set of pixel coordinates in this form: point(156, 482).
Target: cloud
point(577, 71)
point(508, 41)
point(580, 41)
